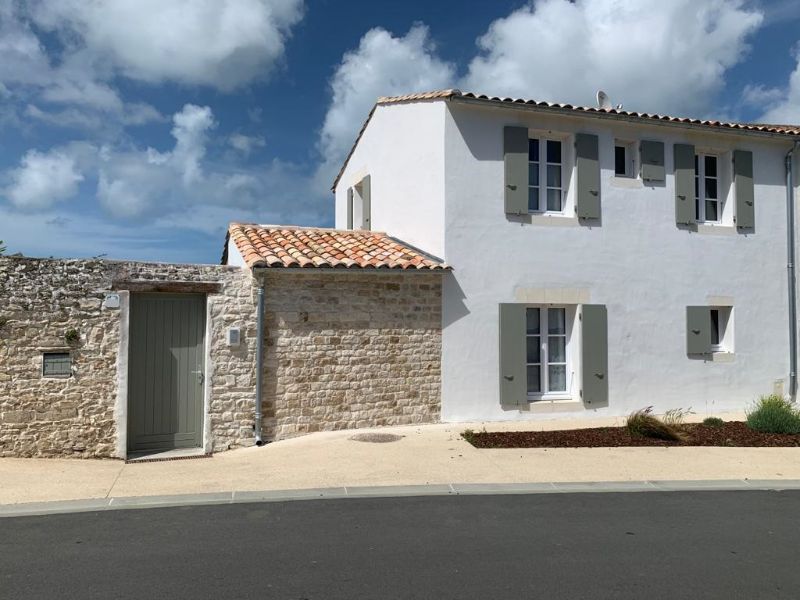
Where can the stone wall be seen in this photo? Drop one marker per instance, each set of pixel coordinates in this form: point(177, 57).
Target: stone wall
point(349, 350)
point(40, 300)
point(341, 350)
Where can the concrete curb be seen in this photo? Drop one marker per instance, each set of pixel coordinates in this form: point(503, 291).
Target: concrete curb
point(27, 509)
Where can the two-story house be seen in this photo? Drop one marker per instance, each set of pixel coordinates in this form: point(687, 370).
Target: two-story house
point(603, 260)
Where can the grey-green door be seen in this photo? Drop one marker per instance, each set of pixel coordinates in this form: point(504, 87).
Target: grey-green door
point(165, 371)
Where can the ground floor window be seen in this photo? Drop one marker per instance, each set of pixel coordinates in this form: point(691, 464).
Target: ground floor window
point(547, 352)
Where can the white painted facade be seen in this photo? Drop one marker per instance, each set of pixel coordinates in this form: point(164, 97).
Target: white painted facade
point(437, 179)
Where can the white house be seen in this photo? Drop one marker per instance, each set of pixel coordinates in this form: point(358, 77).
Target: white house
point(603, 260)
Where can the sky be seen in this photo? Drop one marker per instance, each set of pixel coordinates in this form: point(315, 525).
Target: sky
point(138, 129)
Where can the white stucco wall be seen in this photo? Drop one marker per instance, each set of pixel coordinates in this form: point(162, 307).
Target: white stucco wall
point(402, 150)
point(636, 262)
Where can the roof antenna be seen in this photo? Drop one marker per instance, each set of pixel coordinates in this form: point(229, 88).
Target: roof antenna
point(603, 101)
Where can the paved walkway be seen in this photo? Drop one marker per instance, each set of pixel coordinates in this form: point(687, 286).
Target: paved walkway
point(424, 455)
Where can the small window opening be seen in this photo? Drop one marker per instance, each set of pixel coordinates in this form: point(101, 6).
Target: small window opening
point(56, 364)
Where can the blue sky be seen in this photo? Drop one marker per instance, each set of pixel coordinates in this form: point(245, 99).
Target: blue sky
point(139, 128)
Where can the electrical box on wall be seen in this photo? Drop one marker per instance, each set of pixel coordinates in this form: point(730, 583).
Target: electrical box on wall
point(234, 336)
point(111, 301)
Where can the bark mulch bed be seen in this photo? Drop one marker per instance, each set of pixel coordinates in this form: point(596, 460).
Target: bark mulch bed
point(734, 433)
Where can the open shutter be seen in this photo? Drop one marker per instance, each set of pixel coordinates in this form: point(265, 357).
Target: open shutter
point(513, 374)
point(698, 330)
point(652, 162)
point(685, 210)
point(366, 209)
point(745, 195)
point(349, 208)
point(594, 354)
point(588, 166)
point(515, 156)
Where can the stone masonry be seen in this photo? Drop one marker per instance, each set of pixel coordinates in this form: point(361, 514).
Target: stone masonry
point(341, 350)
point(347, 350)
point(41, 300)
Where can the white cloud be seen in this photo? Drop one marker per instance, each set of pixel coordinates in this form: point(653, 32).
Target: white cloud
point(656, 57)
point(246, 143)
point(382, 65)
point(221, 43)
point(780, 105)
point(42, 179)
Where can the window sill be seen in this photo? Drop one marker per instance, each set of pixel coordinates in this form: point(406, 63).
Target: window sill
point(565, 405)
point(723, 357)
point(622, 181)
point(715, 229)
point(553, 220)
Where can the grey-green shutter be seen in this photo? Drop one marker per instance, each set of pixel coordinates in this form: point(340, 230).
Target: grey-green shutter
point(652, 161)
point(594, 354)
point(745, 194)
point(515, 157)
point(513, 371)
point(366, 203)
point(685, 210)
point(588, 165)
point(350, 208)
point(698, 330)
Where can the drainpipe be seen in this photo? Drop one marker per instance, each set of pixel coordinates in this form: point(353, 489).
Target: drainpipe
point(790, 255)
point(259, 362)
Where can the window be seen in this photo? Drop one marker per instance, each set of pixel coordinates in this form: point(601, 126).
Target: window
point(706, 189)
point(56, 364)
point(546, 341)
point(624, 159)
point(359, 211)
point(721, 337)
point(545, 186)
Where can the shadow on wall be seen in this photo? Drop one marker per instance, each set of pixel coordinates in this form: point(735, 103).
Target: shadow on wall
point(454, 306)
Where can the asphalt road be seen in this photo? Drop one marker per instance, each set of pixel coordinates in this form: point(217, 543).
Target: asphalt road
point(631, 545)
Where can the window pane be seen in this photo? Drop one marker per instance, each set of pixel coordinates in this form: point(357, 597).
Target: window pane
point(696, 170)
point(620, 161)
point(533, 198)
point(533, 149)
point(696, 186)
point(554, 176)
point(711, 166)
point(556, 350)
point(553, 151)
point(711, 188)
point(556, 320)
point(554, 200)
point(697, 210)
point(557, 375)
point(533, 174)
point(712, 211)
point(715, 327)
point(532, 320)
point(534, 379)
point(534, 349)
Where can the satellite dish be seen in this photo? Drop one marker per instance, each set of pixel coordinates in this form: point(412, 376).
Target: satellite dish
point(603, 100)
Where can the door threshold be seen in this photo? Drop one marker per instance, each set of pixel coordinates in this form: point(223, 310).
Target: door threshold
point(162, 455)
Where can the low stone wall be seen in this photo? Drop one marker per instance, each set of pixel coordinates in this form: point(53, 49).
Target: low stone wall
point(41, 300)
point(350, 350)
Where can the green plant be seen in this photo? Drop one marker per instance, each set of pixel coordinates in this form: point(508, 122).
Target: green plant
point(713, 422)
point(643, 423)
point(72, 336)
point(469, 436)
point(774, 414)
point(2, 247)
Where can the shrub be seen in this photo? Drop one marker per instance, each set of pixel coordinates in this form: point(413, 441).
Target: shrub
point(642, 422)
point(713, 422)
point(774, 414)
point(72, 336)
point(469, 435)
point(674, 417)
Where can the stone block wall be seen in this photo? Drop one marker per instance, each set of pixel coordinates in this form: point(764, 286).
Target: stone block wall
point(347, 350)
point(42, 299)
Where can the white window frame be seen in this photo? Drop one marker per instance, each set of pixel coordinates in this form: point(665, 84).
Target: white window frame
point(544, 354)
point(631, 170)
point(700, 188)
point(724, 329)
point(542, 168)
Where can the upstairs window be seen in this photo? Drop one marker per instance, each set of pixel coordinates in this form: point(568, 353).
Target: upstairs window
point(624, 159)
point(545, 183)
point(706, 189)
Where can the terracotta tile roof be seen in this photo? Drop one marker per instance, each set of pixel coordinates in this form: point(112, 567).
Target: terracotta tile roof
point(458, 95)
point(299, 247)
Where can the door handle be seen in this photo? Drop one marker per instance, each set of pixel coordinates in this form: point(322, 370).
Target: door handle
point(200, 376)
